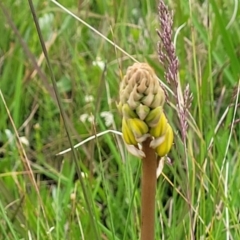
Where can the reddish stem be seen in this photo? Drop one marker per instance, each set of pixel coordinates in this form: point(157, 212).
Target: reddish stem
point(149, 180)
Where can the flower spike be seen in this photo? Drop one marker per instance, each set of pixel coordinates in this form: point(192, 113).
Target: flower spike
point(141, 105)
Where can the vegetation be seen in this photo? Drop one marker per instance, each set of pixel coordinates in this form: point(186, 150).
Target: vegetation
point(43, 195)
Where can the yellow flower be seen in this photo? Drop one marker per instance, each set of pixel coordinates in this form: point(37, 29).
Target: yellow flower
point(141, 105)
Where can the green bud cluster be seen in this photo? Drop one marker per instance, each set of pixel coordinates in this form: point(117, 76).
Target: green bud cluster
point(141, 104)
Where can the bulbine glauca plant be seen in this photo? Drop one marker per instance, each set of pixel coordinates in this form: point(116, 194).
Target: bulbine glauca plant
point(146, 132)
point(145, 128)
point(141, 104)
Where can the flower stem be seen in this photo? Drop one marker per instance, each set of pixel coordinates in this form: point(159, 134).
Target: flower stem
point(149, 180)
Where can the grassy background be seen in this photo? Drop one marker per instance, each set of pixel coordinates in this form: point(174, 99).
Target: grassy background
point(197, 195)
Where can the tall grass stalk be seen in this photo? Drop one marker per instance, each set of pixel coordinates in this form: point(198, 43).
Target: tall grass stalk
point(63, 115)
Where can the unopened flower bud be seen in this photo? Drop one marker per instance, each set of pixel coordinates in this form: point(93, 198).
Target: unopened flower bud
point(141, 104)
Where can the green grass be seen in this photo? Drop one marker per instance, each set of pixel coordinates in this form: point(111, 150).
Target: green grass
point(198, 193)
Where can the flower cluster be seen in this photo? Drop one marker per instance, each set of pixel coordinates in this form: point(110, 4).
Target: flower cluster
point(141, 104)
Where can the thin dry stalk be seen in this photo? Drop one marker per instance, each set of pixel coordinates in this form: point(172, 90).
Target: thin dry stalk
point(25, 161)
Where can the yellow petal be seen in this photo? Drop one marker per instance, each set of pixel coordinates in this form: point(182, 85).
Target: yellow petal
point(138, 127)
point(128, 134)
point(160, 129)
point(153, 117)
point(165, 147)
point(128, 112)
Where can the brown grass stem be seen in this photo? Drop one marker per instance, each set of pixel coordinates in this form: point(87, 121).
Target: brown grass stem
point(149, 180)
